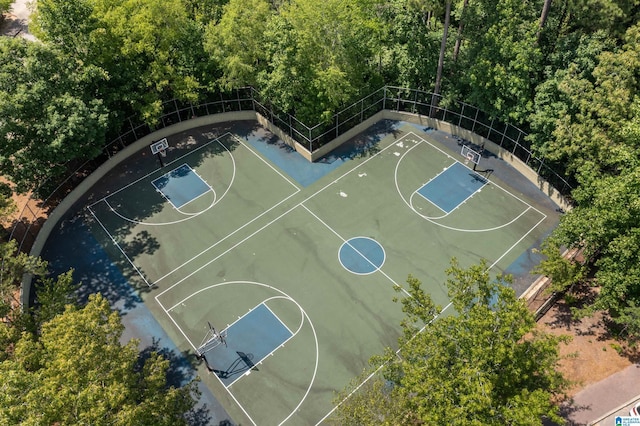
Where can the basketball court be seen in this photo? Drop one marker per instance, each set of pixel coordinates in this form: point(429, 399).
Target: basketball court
point(282, 285)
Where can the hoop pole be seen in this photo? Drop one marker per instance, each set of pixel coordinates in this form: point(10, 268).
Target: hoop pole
point(160, 158)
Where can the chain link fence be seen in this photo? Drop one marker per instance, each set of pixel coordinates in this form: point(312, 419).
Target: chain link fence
point(49, 194)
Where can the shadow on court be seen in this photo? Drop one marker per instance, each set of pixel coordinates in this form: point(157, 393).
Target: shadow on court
point(73, 236)
point(365, 144)
point(242, 364)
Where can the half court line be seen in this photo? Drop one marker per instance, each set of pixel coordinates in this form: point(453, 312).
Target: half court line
point(278, 218)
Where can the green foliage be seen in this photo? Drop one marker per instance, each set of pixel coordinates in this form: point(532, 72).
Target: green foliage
point(595, 134)
point(149, 50)
point(237, 42)
point(5, 5)
point(562, 271)
point(47, 116)
point(77, 372)
point(54, 295)
point(204, 12)
point(484, 365)
point(500, 61)
point(408, 52)
point(7, 205)
point(15, 264)
point(319, 56)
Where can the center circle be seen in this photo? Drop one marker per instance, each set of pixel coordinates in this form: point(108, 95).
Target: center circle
point(361, 255)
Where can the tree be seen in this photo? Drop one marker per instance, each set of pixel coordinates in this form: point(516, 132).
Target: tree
point(596, 137)
point(77, 372)
point(320, 56)
point(204, 12)
point(149, 50)
point(443, 46)
point(236, 42)
point(503, 60)
point(48, 114)
point(407, 53)
point(483, 365)
point(5, 5)
point(13, 266)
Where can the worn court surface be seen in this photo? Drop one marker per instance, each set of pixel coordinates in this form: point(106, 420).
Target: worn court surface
point(295, 263)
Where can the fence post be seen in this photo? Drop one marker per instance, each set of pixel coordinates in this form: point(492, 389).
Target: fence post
point(384, 99)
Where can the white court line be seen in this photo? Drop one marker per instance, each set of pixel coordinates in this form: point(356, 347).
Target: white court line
point(433, 219)
point(216, 139)
point(223, 239)
point(118, 245)
point(189, 215)
point(276, 219)
point(219, 241)
point(431, 202)
point(250, 148)
point(344, 240)
point(380, 367)
point(278, 318)
point(285, 296)
point(168, 175)
point(301, 204)
point(420, 331)
point(518, 242)
point(417, 191)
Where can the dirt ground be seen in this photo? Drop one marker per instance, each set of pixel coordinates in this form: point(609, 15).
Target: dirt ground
point(592, 354)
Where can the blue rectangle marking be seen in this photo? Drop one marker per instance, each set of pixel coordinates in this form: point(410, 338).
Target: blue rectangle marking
point(452, 187)
point(249, 340)
point(181, 186)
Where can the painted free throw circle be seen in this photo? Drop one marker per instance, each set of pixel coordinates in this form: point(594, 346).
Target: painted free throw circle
point(361, 255)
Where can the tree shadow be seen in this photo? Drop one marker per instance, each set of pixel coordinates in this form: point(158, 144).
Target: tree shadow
point(243, 363)
point(181, 364)
point(365, 144)
point(567, 409)
point(180, 372)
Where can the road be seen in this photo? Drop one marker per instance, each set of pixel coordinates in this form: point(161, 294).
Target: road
point(601, 402)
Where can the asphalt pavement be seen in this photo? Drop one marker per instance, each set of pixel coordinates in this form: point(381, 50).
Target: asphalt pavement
point(600, 403)
point(16, 22)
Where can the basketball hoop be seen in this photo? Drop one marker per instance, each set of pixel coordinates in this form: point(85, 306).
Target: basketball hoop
point(468, 158)
point(212, 340)
point(159, 148)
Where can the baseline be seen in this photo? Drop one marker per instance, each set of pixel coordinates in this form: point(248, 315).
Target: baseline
point(283, 295)
point(434, 220)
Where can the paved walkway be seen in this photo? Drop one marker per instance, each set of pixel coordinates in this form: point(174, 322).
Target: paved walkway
point(16, 22)
point(599, 403)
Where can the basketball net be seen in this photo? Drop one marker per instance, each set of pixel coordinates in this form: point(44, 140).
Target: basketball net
point(163, 152)
point(469, 158)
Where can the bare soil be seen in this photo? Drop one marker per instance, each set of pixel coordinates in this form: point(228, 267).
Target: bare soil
point(593, 353)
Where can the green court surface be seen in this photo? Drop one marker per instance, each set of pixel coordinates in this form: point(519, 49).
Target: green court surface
point(300, 279)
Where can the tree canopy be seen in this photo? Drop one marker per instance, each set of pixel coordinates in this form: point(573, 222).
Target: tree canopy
point(73, 370)
point(48, 116)
point(565, 71)
point(595, 132)
point(481, 365)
